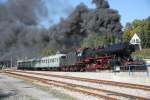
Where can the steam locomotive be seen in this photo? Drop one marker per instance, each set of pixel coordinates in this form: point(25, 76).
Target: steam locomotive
point(87, 59)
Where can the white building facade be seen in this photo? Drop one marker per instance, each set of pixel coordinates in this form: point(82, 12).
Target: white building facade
point(135, 40)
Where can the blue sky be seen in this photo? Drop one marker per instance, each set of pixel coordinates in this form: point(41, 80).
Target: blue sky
point(128, 9)
point(131, 9)
point(2, 1)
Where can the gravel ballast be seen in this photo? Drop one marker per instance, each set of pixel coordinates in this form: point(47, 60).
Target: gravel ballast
point(16, 89)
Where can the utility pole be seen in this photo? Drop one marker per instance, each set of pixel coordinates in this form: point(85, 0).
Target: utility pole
point(11, 62)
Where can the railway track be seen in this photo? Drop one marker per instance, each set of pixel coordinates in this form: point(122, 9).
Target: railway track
point(113, 83)
point(101, 93)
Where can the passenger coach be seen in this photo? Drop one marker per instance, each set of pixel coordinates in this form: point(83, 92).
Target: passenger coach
point(50, 62)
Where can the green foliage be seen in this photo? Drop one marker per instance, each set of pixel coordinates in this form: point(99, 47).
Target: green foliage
point(142, 28)
point(94, 40)
point(47, 52)
point(145, 53)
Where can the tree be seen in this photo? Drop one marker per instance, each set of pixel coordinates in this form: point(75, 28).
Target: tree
point(47, 52)
point(142, 28)
point(127, 32)
point(95, 40)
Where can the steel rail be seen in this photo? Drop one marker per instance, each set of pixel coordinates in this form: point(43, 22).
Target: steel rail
point(108, 82)
point(66, 86)
point(86, 87)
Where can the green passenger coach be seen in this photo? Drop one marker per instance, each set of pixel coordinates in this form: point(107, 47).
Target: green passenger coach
point(50, 62)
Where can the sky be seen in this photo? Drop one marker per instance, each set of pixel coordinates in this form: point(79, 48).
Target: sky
point(128, 9)
point(131, 9)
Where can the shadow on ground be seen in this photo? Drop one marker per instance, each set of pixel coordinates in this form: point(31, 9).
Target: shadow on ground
point(6, 95)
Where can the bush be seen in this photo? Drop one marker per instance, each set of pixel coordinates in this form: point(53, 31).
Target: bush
point(145, 53)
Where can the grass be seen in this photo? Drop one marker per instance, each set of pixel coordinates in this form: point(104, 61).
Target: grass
point(145, 53)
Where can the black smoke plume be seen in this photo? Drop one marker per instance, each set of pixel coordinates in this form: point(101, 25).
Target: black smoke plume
point(21, 37)
point(18, 33)
point(84, 21)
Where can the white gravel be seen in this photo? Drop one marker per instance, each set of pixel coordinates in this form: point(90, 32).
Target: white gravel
point(135, 77)
point(130, 91)
point(16, 89)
